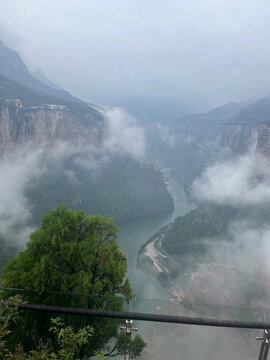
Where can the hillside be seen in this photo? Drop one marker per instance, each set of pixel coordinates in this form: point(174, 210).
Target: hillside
point(83, 176)
point(221, 114)
point(39, 74)
point(11, 89)
point(192, 239)
point(196, 141)
point(122, 188)
point(12, 66)
point(184, 235)
point(256, 113)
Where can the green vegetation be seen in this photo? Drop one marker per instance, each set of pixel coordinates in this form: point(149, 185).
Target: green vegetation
point(8, 251)
point(122, 188)
point(189, 239)
point(185, 236)
point(72, 260)
point(188, 234)
point(67, 343)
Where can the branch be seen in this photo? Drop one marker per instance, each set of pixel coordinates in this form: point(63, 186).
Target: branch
point(109, 353)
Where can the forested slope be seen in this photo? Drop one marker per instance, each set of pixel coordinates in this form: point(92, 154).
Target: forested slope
point(122, 188)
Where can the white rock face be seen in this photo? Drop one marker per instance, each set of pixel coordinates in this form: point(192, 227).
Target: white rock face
point(46, 126)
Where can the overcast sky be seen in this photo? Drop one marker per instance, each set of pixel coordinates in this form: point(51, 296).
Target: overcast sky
point(101, 50)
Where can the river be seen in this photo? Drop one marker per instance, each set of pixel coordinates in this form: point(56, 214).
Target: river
point(132, 235)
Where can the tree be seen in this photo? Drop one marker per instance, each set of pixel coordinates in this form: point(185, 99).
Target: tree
point(72, 260)
point(68, 343)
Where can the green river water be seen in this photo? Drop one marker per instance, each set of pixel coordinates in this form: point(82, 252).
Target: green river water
point(133, 235)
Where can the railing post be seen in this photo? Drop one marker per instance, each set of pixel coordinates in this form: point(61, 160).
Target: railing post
point(265, 345)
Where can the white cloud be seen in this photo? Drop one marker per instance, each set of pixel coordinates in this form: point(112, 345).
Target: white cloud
point(123, 136)
point(166, 135)
point(239, 182)
point(16, 170)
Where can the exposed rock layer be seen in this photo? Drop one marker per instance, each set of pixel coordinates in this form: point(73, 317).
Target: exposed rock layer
point(44, 127)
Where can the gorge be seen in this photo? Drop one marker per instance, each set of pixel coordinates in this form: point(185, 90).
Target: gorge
point(187, 194)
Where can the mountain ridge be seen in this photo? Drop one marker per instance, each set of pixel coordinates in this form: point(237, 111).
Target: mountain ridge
point(39, 75)
point(13, 67)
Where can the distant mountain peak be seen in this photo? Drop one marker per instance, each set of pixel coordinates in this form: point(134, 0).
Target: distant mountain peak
point(11, 62)
point(39, 75)
point(38, 72)
point(13, 67)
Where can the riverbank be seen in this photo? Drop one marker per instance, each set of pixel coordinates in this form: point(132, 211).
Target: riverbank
point(134, 234)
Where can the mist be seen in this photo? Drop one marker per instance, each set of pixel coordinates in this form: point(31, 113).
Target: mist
point(241, 280)
point(241, 183)
point(238, 182)
point(16, 170)
point(141, 66)
point(124, 135)
point(213, 51)
point(21, 166)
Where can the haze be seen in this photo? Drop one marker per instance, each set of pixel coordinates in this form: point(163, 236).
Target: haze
point(102, 51)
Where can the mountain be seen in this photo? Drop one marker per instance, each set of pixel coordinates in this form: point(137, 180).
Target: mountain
point(256, 113)
point(12, 67)
point(125, 190)
point(121, 188)
point(162, 109)
point(10, 89)
point(192, 239)
point(39, 75)
point(187, 234)
point(194, 142)
point(44, 120)
point(241, 113)
point(221, 114)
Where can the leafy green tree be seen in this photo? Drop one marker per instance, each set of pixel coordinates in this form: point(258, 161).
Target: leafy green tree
point(67, 342)
point(126, 344)
point(72, 260)
point(8, 317)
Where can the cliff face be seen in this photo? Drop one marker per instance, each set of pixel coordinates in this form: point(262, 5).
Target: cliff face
point(45, 126)
point(189, 148)
point(263, 140)
point(112, 185)
point(213, 136)
point(235, 126)
point(238, 138)
point(196, 141)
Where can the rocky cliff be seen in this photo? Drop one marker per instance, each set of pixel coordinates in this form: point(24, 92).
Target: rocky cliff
point(263, 139)
point(46, 125)
point(196, 141)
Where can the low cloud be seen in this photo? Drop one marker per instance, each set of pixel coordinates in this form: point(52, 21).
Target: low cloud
point(166, 135)
point(16, 170)
point(245, 245)
point(123, 138)
point(238, 182)
point(244, 184)
point(123, 135)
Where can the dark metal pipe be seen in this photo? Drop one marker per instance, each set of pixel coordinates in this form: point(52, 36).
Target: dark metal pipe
point(147, 317)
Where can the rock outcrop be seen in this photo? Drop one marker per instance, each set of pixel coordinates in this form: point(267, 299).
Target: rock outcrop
point(45, 126)
point(263, 140)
